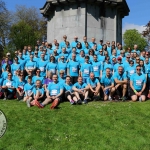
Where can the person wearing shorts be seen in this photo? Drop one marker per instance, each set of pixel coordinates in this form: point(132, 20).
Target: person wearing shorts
point(81, 91)
point(8, 87)
point(53, 94)
point(107, 84)
point(69, 95)
point(138, 85)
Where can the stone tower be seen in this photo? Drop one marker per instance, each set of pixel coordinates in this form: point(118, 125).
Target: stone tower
point(101, 19)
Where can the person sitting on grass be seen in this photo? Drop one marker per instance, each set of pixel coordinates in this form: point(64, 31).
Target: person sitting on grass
point(20, 87)
point(69, 95)
point(8, 87)
point(107, 84)
point(28, 89)
point(138, 85)
point(81, 91)
point(54, 94)
point(38, 93)
point(120, 79)
point(94, 87)
point(4, 74)
point(48, 79)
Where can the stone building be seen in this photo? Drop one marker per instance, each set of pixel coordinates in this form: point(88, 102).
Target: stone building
point(101, 19)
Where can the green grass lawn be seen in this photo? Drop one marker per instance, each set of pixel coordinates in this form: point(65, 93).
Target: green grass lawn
point(95, 126)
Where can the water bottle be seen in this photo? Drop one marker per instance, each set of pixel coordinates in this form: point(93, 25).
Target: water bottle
point(140, 99)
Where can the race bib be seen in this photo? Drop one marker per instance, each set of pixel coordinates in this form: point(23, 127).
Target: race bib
point(74, 69)
point(9, 84)
point(54, 92)
point(21, 87)
point(86, 71)
point(30, 67)
point(52, 70)
point(95, 68)
point(29, 92)
point(42, 69)
point(131, 72)
point(138, 82)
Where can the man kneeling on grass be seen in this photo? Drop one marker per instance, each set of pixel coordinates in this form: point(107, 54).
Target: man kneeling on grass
point(94, 87)
point(53, 94)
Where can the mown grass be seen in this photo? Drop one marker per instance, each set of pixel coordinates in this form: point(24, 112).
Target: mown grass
point(95, 126)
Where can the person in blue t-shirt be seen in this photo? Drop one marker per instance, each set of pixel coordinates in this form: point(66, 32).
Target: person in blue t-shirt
point(147, 71)
point(69, 95)
point(107, 84)
point(51, 66)
point(30, 65)
point(97, 67)
point(63, 43)
point(85, 43)
point(106, 65)
point(37, 77)
point(20, 87)
point(138, 85)
point(135, 49)
point(120, 79)
point(73, 68)
point(15, 66)
point(74, 43)
point(86, 49)
point(28, 89)
point(22, 61)
point(61, 77)
point(62, 65)
point(4, 75)
point(92, 43)
point(100, 45)
point(64, 53)
point(53, 94)
point(81, 91)
point(42, 65)
point(86, 69)
point(94, 87)
point(38, 92)
point(131, 69)
point(119, 59)
point(8, 87)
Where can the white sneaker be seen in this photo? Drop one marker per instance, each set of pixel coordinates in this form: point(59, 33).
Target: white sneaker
point(109, 98)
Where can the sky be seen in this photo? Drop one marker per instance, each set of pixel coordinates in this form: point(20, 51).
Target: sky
point(138, 16)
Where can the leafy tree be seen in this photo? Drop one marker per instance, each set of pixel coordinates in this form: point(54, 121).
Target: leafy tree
point(4, 24)
point(132, 37)
point(22, 34)
point(28, 26)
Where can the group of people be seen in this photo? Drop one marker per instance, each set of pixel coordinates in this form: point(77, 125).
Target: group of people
point(77, 72)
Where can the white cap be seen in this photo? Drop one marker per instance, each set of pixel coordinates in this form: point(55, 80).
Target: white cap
point(8, 54)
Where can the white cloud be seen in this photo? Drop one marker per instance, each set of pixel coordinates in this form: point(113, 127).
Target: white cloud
point(128, 26)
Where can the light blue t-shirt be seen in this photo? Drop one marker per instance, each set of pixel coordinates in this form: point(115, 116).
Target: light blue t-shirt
point(107, 81)
point(40, 90)
point(51, 67)
point(9, 83)
point(120, 77)
point(73, 68)
point(54, 88)
point(93, 83)
point(42, 66)
point(86, 69)
point(68, 87)
point(138, 81)
point(80, 86)
point(96, 68)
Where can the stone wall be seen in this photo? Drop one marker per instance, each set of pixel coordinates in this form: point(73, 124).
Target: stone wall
point(91, 20)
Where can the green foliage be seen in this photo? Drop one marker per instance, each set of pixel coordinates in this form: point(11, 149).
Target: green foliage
point(22, 34)
point(132, 37)
point(95, 126)
point(27, 27)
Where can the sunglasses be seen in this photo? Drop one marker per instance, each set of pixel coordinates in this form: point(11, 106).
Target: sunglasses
point(61, 73)
point(9, 75)
point(100, 51)
point(127, 57)
point(138, 69)
point(21, 75)
point(137, 59)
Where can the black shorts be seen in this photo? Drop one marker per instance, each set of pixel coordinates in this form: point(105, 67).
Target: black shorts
point(133, 93)
point(68, 93)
